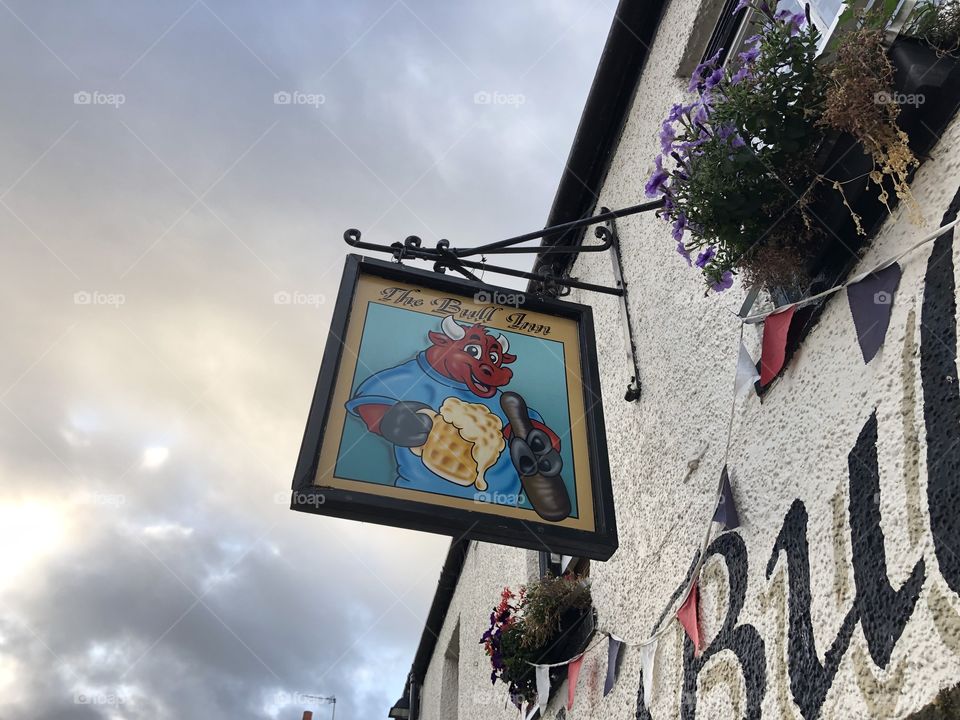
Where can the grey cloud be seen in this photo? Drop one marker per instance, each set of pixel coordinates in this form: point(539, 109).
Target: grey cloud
point(198, 357)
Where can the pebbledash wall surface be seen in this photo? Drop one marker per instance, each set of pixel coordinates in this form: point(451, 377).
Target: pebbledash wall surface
point(849, 588)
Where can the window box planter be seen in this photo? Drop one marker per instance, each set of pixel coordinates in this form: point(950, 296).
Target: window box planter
point(919, 72)
point(752, 120)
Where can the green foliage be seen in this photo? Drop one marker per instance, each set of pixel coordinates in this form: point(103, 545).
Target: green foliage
point(744, 151)
point(937, 23)
point(546, 600)
point(524, 625)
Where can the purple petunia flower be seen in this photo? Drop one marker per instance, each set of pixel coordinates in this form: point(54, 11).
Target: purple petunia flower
point(750, 54)
point(684, 253)
point(740, 75)
point(796, 22)
point(737, 141)
point(667, 136)
point(705, 257)
point(714, 78)
point(678, 226)
point(677, 111)
point(709, 64)
point(656, 185)
point(740, 6)
point(725, 282)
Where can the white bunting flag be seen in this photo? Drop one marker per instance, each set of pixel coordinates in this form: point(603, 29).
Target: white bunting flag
point(648, 655)
point(543, 687)
point(747, 373)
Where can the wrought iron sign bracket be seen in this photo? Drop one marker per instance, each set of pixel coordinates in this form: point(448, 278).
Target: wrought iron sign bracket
point(630, 345)
point(549, 280)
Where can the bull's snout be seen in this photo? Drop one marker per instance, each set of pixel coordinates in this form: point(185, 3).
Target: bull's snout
point(486, 370)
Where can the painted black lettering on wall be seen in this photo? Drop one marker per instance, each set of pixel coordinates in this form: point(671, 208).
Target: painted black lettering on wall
point(882, 611)
point(809, 679)
point(743, 640)
point(941, 401)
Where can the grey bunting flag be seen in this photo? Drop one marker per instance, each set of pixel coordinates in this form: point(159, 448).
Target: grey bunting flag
point(871, 302)
point(726, 513)
point(613, 654)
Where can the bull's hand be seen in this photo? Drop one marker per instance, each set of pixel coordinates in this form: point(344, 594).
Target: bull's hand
point(404, 426)
point(535, 454)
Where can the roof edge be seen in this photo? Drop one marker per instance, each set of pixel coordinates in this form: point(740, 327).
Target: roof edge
point(608, 104)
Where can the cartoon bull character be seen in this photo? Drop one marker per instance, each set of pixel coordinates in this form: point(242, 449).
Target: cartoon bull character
point(450, 422)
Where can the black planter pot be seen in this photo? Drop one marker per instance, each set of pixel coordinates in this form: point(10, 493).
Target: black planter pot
point(576, 629)
point(932, 83)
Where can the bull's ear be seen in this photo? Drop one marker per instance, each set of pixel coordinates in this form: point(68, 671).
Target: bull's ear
point(439, 339)
point(508, 358)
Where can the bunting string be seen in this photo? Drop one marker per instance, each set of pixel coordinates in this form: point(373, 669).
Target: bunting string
point(728, 518)
point(760, 317)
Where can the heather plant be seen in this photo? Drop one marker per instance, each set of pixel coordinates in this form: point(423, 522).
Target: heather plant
point(858, 101)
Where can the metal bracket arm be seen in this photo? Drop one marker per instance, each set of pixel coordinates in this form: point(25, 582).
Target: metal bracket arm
point(444, 257)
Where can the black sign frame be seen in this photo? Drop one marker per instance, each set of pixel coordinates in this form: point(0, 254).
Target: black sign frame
point(599, 543)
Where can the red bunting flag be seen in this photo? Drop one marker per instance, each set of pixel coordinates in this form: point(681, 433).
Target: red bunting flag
point(573, 672)
point(689, 614)
point(774, 349)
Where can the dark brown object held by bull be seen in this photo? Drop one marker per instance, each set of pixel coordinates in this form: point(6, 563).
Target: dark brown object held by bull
point(547, 493)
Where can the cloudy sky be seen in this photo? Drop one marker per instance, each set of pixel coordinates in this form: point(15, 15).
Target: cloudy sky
point(154, 200)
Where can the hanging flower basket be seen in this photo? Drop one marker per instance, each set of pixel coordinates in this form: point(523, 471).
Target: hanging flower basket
point(547, 622)
point(754, 168)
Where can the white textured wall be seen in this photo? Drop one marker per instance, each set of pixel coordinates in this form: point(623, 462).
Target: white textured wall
point(794, 445)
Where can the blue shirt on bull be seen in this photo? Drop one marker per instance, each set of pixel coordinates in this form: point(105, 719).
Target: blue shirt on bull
point(416, 380)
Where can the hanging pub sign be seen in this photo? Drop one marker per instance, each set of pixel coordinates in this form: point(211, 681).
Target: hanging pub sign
point(448, 406)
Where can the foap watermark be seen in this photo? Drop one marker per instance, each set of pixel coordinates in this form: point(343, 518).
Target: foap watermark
point(496, 498)
point(487, 97)
point(297, 97)
point(99, 499)
point(96, 297)
point(299, 498)
point(496, 297)
point(99, 698)
point(899, 98)
point(283, 698)
point(287, 297)
point(882, 298)
point(96, 97)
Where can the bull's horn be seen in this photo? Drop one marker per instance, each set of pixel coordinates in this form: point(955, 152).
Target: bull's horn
point(503, 343)
point(451, 328)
